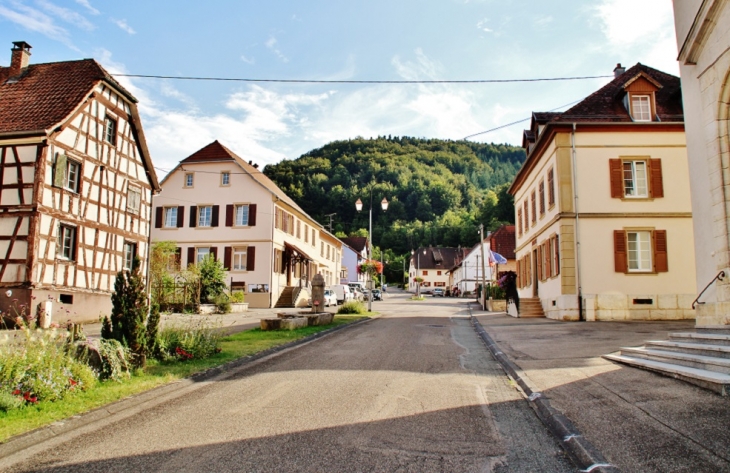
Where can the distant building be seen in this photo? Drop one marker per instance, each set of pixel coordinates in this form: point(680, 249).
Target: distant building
point(354, 252)
point(602, 205)
point(433, 265)
point(503, 241)
point(703, 37)
point(215, 203)
point(466, 274)
point(76, 185)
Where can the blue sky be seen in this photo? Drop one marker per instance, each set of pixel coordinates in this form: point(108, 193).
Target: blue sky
point(343, 40)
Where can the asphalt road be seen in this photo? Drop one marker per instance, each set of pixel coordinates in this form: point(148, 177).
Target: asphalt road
point(412, 391)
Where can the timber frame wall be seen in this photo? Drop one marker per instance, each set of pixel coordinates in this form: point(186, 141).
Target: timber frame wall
point(32, 208)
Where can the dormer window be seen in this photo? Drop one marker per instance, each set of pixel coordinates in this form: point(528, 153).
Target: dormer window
point(641, 108)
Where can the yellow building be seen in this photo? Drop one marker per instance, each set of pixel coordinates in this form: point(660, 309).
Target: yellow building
point(602, 204)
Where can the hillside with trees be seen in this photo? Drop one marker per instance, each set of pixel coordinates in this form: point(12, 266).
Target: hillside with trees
point(439, 191)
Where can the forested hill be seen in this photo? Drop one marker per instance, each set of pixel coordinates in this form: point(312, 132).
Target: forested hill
point(439, 191)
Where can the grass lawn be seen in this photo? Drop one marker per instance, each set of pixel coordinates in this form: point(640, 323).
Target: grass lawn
point(155, 374)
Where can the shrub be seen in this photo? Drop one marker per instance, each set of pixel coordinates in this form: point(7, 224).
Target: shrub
point(237, 297)
point(223, 303)
point(212, 278)
point(107, 357)
point(352, 307)
point(197, 340)
point(8, 401)
point(36, 365)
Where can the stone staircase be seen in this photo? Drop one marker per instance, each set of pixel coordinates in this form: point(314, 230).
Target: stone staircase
point(531, 308)
point(701, 358)
point(286, 299)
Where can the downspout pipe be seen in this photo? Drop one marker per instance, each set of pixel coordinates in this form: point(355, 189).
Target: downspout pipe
point(577, 224)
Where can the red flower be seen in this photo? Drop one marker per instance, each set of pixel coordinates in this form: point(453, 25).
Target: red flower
point(73, 383)
point(16, 392)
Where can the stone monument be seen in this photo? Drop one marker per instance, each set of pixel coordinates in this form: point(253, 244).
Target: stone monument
point(318, 294)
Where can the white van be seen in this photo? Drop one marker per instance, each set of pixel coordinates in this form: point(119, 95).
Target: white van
point(343, 293)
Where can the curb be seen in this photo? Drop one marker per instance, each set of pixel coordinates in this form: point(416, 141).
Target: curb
point(584, 455)
point(132, 404)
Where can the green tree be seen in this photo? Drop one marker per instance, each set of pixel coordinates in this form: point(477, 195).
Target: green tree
point(162, 257)
point(129, 313)
point(212, 279)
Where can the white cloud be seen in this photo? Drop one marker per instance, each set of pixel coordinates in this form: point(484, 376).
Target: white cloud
point(66, 15)
point(642, 30)
point(415, 70)
point(271, 44)
point(248, 60)
point(37, 21)
point(482, 25)
point(124, 25)
point(544, 20)
point(87, 5)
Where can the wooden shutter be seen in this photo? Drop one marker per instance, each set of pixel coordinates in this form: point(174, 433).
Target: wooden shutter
point(656, 185)
point(191, 255)
point(251, 258)
point(216, 212)
point(180, 216)
point(158, 217)
point(620, 260)
point(539, 263)
point(556, 248)
point(615, 171)
point(214, 252)
point(193, 216)
point(252, 215)
point(227, 253)
point(548, 254)
point(229, 215)
point(661, 263)
point(59, 170)
point(519, 275)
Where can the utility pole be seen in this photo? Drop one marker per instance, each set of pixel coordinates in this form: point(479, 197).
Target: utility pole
point(330, 216)
point(484, 282)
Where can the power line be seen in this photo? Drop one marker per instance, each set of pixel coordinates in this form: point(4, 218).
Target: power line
point(313, 81)
point(518, 121)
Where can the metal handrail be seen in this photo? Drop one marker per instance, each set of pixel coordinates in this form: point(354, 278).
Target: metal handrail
point(719, 276)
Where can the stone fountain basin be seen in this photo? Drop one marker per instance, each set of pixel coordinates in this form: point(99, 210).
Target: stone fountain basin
point(292, 321)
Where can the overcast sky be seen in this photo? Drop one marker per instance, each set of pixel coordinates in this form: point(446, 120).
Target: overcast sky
point(344, 40)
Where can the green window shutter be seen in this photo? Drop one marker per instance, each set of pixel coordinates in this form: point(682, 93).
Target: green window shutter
point(59, 170)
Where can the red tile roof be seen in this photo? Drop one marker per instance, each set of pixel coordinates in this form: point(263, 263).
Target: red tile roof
point(356, 243)
point(503, 241)
point(46, 94)
point(438, 257)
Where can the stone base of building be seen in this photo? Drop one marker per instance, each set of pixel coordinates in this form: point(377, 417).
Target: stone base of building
point(622, 307)
point(563, 308)
point(714, 315)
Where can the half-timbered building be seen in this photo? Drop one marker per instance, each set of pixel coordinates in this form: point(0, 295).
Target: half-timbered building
point(76, 186)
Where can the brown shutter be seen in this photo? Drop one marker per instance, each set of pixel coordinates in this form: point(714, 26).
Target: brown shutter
point(620, 260)
point(539, 263)
point(251, 258)
point(661, 263)
point(229, 215)
point(548, 255)
point(227, 252)
point(158, 217)
point(216, 214)
point(252, 215)
point(656, 186)
point(615, 171)
point(180, 216)
point(191, 255)
point(80, 183)
point(519, 275)
point(214, 252)
point(193, 216)
point(557, 255)
point(59, 170)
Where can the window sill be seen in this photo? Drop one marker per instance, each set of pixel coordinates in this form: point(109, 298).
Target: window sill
point(637, 199)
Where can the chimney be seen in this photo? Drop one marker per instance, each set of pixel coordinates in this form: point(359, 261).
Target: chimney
point(20, 57)
point(619, 70)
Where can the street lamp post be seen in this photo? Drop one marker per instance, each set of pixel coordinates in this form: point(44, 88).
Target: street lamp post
point(418, 270)
point(358, 206)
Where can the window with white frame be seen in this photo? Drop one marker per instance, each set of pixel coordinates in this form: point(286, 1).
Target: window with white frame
point(635, 182)
point(73, 171)
point(641, 108)
point(239, 258)
point(170, 217)
point(241, 215)
point(189, 179)
point(639, 251)
point(130, 251)
point(201, 254)
point(110, 130)
point(205, 215)
point(67, 242)
point(225, 178)
point(134, 197)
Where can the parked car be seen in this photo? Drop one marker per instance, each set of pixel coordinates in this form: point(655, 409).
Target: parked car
point(377, 295)
point(437, 292)
point(358, 294)
point(343, 293)
point(329, 298)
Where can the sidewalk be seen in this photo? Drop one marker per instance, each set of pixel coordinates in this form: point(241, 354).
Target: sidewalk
point(638, 420)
